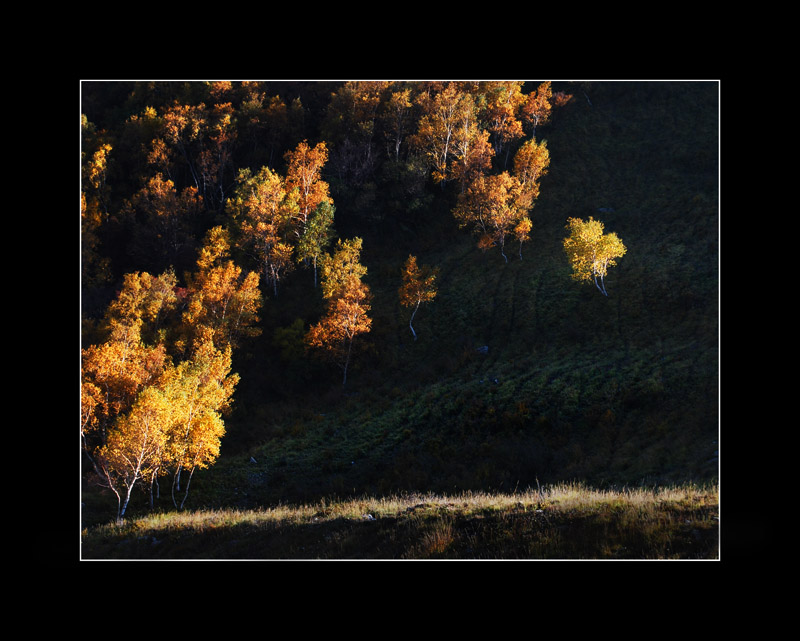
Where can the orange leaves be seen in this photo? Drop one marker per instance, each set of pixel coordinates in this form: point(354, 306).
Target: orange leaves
point(140, 414)
point(504, 101)
point(530, 164)
point(419, 283)
point(346, 315)
point(494, 205)
point(263, 210)
point(535, 110)
point(304, 174)
point(220, 298)
point(419, 286)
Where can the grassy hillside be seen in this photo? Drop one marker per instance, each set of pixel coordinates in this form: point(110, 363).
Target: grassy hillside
point(519, 375)
point(563, 522)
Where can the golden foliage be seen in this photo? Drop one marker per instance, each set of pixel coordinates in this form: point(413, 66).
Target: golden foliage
point(536, 109)
point(263, 211)
point(419, 283)
point(494, 206)
point(303, 174)
point(221, 297)
point(343, 266)
point(348, 306)
point(590, 251)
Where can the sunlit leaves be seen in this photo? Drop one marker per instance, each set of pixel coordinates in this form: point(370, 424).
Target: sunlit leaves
point(348, 305)
point(303, 176)
point(419, 286)
point(342, 268)
point(493, 206)
point(504, 99)
point(200, 390)
point(531, 162)
point(536, 109)
point(317, 236)
point(220, 296)
point(443, 111)
point(590, 251)
point(263, 212)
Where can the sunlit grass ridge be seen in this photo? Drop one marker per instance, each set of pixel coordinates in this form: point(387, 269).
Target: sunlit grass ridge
point(568, 520)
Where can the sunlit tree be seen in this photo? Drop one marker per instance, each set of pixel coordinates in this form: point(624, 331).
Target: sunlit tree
point(317, 236)
point(471, 152)
point(442, 109)
point(304, 181)
point(397, 116)
point(347, 312)
point(494, 206)
point(263, 215)
point(536, 108)
point(591, 252)
point(220, 296)
point(504, 99)
point(419, 286)
point(531, 162)
point(134, 445)
point(199, 390)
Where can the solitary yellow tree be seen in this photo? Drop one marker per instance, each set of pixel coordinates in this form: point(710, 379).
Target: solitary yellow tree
point(590, 251)
point(419, 286)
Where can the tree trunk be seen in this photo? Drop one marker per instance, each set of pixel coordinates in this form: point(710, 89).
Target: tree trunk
point(412, 320)
point(603, 288)
point(347, 361)
point(176, 484)
point(186, 494)
point(121, 512)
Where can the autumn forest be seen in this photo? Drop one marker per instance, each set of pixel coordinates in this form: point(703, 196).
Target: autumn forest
point(320, 290)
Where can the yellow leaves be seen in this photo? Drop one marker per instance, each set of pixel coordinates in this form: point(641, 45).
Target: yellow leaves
point(589, 251)
point(419, 283)
point(338, 270)
point(220, 297)
point(348, 303)
point(303, 174)
point(494, 205)
point(215, 248)
point(536, 108)
point(95, 169)
point(531, 163)
point(143, 298)
point(199, 390)
point(522, 229)
point(263, 209)
point(504, 101)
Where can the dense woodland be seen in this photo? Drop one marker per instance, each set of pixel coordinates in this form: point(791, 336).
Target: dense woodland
point(302, 289)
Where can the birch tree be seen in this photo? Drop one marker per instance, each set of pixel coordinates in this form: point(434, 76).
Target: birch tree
point(419, 286)
point(591, 252)
point(347, 313)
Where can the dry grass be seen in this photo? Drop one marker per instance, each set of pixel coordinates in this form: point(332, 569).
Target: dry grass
point(568, 521)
